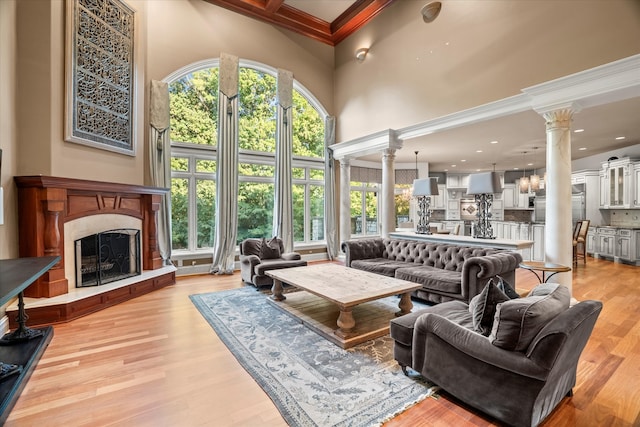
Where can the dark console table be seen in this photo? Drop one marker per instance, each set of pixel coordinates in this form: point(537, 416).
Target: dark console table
point(21, 349)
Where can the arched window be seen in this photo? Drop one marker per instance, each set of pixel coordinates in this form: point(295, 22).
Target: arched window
point(194, 115)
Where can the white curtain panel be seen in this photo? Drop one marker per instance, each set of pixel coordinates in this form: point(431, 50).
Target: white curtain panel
point(227, 168)
point(283, 200)
point(160, 161)
point(330, 214)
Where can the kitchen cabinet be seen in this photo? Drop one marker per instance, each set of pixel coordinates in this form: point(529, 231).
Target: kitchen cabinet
point(453, 209)
point(591, 242)
point(439, 202)
point(617, 244)
point(509, 196)
point(605, 242)
point(524, 233)
point(636, 185)
point(497, 210)
point(456, 180)
point(624, 248)
point(537, 252)
point(616, 184)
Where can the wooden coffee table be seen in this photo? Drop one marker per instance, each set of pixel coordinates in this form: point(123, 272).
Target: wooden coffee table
point(335, 295)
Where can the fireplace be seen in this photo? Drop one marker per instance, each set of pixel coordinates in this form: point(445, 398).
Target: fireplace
point(55, 212)
point(107, 257)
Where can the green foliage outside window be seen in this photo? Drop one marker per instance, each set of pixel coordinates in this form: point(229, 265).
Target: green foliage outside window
point(206, 213)
point(194, 108)
point(255, 210)
point(179, 213)
point(194, 119)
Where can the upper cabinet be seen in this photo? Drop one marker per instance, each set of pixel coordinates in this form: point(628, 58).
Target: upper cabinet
point(509, 196)
point(617, 184)
point(439, 202)
point(636, 186)
point(457, 180)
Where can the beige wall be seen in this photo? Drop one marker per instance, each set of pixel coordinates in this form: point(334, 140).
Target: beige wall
point(184, 32)
point(411, 74)
point(40, 104)
point(8, 141)
point(170, 34)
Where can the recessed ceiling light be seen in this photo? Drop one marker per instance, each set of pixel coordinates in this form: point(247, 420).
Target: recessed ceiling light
point(582, 148)
point(477, 170)
point(516, 168)
point(446, 170)
point(453, 166)
point(529, 164)
point(463, 160)
point(578, 130)
point(478, 151)
point(619, 138)
point(493, 142)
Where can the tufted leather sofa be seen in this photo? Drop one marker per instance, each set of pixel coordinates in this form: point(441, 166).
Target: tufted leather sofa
point(446, 272)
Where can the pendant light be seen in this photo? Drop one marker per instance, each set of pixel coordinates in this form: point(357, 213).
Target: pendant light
point(524, 181)
point(534, 180)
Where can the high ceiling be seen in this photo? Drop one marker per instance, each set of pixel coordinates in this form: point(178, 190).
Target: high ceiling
point(328, 21)
point(521, 137)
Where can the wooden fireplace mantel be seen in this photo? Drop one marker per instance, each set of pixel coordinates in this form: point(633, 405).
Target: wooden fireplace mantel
point(45, 203)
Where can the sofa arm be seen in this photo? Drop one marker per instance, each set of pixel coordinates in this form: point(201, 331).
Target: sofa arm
point(291, 256)
point(477, 271)
point(362, 249)
point(247, 267)
point(470, 343)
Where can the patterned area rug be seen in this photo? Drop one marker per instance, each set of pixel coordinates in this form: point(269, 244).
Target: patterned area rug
point(312, 381)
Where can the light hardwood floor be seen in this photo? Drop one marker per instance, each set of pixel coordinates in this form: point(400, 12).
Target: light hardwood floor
point(154, 361)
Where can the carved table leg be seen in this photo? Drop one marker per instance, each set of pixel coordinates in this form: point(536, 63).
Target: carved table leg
point(346, 322)
point(276, 291)
point(405, 304)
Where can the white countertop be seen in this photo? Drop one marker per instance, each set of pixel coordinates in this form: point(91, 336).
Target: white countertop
point(463, 240)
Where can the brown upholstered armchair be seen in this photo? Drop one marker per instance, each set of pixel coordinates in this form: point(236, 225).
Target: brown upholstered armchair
point(519, 371)
point(258, 256)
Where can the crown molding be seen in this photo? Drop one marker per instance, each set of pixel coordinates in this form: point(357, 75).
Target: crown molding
point(370, 144)
point(615, 81)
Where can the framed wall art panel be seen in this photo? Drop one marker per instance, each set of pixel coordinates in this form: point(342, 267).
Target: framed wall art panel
point(100, 75)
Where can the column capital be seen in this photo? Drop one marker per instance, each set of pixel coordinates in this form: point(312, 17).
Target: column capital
point(559, 118)
point(388, 154)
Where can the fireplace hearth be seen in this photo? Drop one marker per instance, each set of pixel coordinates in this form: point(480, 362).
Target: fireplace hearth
point(107, 257)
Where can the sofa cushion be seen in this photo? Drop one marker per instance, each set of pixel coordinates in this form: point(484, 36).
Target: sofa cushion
point(483, 307)
point(270, 249)
point(432, 278)
point(401, 328)
point(518, 321)
point(543, 289)
point(384, 266)
point(506, 288)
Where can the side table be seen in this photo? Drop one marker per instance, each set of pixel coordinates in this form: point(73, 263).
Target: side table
point(548, 269)
point(21, 349)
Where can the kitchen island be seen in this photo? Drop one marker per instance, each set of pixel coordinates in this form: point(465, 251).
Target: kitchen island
point(464, 240)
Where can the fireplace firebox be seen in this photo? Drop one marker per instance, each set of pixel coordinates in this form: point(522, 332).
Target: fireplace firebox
point(107, 257)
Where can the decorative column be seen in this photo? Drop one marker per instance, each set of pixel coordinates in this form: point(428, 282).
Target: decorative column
point(345, 200)
point(558, 230)
point(387, 216)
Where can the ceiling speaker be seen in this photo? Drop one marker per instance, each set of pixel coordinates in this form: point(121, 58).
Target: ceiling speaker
point(431, 11)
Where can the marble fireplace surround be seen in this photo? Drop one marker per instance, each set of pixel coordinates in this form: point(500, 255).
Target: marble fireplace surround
point(53, 212)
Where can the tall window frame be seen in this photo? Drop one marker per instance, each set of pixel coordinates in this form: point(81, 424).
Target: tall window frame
point(247, 156)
